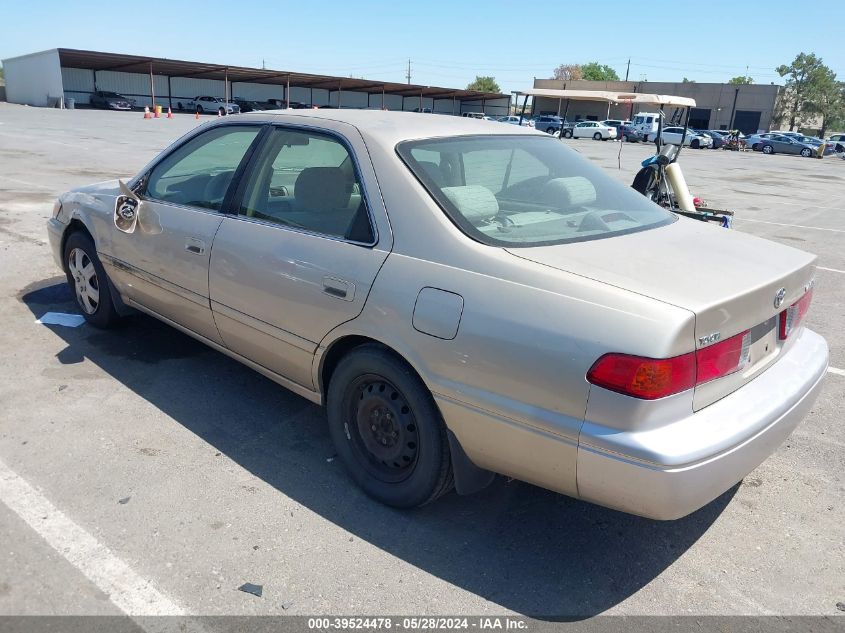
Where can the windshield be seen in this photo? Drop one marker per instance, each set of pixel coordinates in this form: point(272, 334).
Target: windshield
point(526, 190)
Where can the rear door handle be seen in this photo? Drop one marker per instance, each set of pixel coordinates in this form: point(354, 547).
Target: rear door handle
point(195, 246)
point(339, 288)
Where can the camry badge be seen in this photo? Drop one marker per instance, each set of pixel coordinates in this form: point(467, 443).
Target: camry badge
point(779, 297)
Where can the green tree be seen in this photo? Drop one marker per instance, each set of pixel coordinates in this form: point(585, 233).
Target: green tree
point(688, 81)
point(826, 100)
point(484, 84)
point(568, 72)
point(741, 80)
point(804, 77)
point(598, 72)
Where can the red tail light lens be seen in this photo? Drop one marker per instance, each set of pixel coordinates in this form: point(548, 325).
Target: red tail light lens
point(652, 378)
point(722, 359)
point(646, 378)
point(791, 318)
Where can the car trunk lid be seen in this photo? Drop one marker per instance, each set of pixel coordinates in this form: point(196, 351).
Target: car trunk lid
point(731, 281)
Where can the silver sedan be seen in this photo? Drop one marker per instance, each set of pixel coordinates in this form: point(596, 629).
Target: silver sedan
point(465, 300)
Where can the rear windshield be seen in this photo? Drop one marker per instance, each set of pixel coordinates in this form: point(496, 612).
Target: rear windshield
point(507, 190)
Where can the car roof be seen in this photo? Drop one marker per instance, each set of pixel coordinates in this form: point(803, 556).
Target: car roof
point(391, 127)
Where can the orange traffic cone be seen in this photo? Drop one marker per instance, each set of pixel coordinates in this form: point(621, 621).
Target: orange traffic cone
point(156, 110)
point(197, 115)
point(147, 112)
point(218, 114)
point(169, 113)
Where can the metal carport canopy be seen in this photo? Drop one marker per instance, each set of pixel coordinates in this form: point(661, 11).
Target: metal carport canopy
point(608, 96)
point(94, 60)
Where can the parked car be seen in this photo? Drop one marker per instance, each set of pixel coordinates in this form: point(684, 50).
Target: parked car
point(515, 338)
point(548, 123)
point(630, 134)
point(618, 124)
point(590, 129)
point(247, 105)
point(829, 146)
point(718, 140)
point(770, 143)
point(110, 101)
point(206, 104)
point(473, 115)
point(673, 136)
point(513, 120)
point(838, 141)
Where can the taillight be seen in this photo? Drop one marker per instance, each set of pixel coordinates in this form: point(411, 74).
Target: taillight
point(652, 378)
point(723, 358)
point(646, 378)
point(791, 318)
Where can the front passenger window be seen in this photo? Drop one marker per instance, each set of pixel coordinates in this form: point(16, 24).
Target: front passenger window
point(307, 180)
point(199, 172)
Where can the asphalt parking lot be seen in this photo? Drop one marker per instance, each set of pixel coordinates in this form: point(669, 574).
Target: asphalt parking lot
point(141, 455)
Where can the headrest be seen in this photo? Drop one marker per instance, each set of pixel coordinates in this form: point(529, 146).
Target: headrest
point(575, 191)
point(473, 201)
point(321, 188)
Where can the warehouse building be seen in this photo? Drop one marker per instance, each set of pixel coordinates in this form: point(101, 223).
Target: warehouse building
point(747, 107)
point(52, 78)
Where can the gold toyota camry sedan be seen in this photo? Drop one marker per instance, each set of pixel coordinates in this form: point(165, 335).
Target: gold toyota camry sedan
point(465, 298)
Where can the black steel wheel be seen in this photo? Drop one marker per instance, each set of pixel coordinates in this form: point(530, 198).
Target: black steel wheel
point(387, 429)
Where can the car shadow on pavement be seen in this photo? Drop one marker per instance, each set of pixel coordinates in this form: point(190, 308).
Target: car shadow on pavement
point(527, 549)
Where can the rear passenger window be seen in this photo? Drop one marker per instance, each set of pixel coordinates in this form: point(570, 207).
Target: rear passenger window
point(307, 180)
point(199, 172)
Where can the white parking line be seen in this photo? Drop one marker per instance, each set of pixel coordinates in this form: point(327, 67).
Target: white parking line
point(128, 591)
point(833, 270)
point(837, 371)
point(797, 226)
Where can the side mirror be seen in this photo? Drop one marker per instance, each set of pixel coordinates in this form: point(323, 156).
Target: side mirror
point(126, 209)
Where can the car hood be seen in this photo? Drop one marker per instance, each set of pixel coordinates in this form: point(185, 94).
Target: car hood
point(727, 278)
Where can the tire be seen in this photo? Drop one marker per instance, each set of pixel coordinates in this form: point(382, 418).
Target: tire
point(806, 152)
point(179, 106)
point(695, 144)
point(625, 138)
point(387, 429)
point(645, 138)
point(597, 136)
point(567, 134)
point(221, 111)
point(88, 281)
point(550, 130)
point(767, 149)
point(200, 110)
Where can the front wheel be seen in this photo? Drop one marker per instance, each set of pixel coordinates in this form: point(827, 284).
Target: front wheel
point(768, 149)
point(695, 144)
point(387, 430)
point(221, 111)
point(88, 281)
point(806, 153)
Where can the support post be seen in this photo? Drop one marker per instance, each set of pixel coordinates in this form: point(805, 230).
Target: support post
point(287, 92)
point(169, 94)
point(382, 97)
point(524, 105)
point(152, 89)
point(733, 110)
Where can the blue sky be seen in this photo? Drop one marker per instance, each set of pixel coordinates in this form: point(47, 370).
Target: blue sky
point(448, 42)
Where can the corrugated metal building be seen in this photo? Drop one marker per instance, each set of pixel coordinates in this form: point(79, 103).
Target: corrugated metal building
point(748, 107)
point(52, 77)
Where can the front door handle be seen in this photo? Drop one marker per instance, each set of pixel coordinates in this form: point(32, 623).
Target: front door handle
point(195, 246)
point(339, 288)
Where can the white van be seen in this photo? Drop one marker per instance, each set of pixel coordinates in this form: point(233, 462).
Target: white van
point(646, 124)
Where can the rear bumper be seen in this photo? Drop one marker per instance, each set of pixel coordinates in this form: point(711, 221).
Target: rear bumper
point(646, 472)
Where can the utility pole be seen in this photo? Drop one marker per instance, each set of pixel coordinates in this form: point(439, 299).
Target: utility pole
point(409, 71)
point(263, 67)
point(628, 69)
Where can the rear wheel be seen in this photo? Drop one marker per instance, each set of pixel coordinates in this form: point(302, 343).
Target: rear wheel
point(597, 136)
point(88, 281)
point(550, 130)
point(221, 111)
point(768, 149)
point(567, 134)
point(806, 152)
point(387, 429)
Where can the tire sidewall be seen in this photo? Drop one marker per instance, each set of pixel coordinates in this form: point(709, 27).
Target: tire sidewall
point(767, 149)
point(426, 478)
point(105, 313)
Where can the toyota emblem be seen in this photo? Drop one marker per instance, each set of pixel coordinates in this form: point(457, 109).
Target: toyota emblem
point(779, 297)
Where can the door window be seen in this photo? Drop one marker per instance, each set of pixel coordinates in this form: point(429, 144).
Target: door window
point(307, 180)
point(199, 172)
